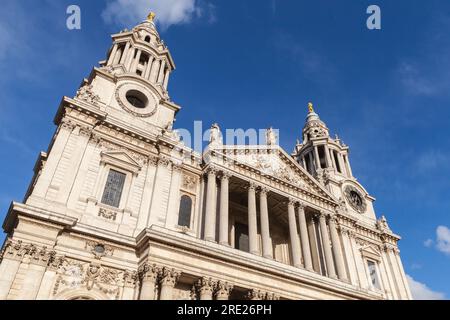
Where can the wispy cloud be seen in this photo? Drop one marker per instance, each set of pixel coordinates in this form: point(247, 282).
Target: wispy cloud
point(168, 12)
point(443, 239)
point(420, 291)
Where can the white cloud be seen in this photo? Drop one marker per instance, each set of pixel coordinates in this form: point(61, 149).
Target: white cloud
point(428, 243)
point(168, 12)
point(443, 239)
point(420, 291)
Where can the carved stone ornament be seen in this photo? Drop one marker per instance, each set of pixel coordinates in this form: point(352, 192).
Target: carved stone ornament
point(75, 274)
point(223, 289)
point(98, 249)
point(107, 214)
point(189, 182)
point(355, 199)
point(87, 94)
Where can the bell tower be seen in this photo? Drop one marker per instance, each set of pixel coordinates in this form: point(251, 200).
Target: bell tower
point(327, 159)
point(131, 84)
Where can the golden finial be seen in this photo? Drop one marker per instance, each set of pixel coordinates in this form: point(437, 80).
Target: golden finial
point(151, 16)
point(310, 107)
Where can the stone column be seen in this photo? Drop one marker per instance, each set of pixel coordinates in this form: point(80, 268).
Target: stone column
point(327, 157)
point(205, 287)
point(342, 165)
point(130, 57)
point(223, 231)
point(130, 279)
point(45, 290)
point(349, 168)
point(353, 273)
point(161, 72)
point(265, 231)
point(337, 250)
point(125, 53)
point(210, 212)
point(252, 220)
point(305, 239)
point(326, 246)
point(149, 67)
point(317, 158)
point(169, 278)
point(12, 255)
point(112, 55)
point(149, 275)
point(136, 61)
point(402, 273)
point(37, 260)
point(223, 290)
point(166, 78)
point(154, 72)
point(295, 243)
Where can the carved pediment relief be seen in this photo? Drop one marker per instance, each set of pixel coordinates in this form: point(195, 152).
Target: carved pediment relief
point(121, 159)
point(274, 162)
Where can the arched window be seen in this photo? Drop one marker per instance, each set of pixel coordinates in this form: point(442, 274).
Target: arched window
point(147, 39)
point(184, 216)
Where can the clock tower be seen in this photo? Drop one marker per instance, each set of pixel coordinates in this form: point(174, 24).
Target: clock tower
point(327, 159)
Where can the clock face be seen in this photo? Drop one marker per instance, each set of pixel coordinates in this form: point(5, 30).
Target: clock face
point(355, 199)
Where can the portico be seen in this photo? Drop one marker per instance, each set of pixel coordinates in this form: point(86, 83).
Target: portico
point(245, 213)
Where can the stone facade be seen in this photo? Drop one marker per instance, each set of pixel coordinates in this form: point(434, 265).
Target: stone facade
point(120, 209)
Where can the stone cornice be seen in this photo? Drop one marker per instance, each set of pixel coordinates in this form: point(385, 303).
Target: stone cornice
point(199, 247)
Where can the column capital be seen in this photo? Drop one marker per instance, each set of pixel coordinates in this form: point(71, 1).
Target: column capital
point(130, 278)
point(223, 289)
point(292, 202)
point(211, 170)
point(169, 277)
point(149, 272)
point(252, 186)
point(272, 296)
point(256, 294)
point(225, 175)
point(301, 206)
point(263, 190)
point(205, 285)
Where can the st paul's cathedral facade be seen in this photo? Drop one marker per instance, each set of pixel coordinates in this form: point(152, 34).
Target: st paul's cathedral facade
point(120, 209)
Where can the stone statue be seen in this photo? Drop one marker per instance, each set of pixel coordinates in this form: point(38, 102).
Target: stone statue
point(215, 135)
point(271, 138)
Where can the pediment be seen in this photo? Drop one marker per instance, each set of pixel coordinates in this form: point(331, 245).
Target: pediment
point(122, 160)
point(369, 251)
point(274, 162)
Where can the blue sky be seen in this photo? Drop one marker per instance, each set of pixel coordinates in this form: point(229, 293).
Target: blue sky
point(255, 64)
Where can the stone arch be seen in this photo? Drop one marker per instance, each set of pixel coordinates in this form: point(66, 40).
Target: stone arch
point(81, 294)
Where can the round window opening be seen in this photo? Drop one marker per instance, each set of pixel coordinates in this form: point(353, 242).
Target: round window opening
point(137, 99)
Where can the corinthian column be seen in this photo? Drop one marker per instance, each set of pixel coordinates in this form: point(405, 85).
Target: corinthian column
point(305, 238)
point(223, 231)
point(223, 290)
point(295, 243)
point(252, 220)
point(337, 252)
point(210, 212)
point(148, 274)
point(169, 278)
point(37, 259)
point(326, 246)
point(10, 263)
point(265, 231)
point(205, 287)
